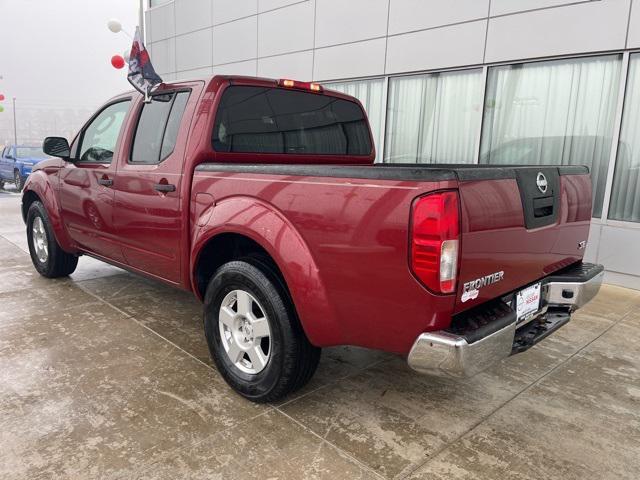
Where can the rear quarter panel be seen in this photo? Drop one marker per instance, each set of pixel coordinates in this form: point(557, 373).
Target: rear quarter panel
point(342, 246)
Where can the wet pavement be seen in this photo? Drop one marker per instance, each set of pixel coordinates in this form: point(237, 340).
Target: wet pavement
point(107, 375)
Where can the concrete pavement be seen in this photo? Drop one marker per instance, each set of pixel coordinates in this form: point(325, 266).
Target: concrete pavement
point(107, 375)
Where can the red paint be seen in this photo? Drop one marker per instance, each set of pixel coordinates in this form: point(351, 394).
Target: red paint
point(342, 244)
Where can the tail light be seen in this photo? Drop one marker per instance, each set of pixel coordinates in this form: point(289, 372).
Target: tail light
point(314, 87)
point(435, 242)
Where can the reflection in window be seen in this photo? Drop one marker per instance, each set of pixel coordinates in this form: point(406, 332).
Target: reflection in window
point(553, 113)
point(434, 118)
point(625, 193)
point(371, 95)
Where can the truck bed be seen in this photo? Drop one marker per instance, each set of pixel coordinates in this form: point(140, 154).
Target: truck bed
point(355, 220)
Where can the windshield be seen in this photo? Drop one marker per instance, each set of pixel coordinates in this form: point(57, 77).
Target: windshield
point(30, 152)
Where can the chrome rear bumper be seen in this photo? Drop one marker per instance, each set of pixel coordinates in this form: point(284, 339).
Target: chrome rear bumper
point(444, 353)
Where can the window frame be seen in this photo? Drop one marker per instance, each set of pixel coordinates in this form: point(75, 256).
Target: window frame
point(77, 143)
point(161, 159)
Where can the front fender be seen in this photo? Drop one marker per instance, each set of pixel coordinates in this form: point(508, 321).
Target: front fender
point(269, 228)
point(42, 184)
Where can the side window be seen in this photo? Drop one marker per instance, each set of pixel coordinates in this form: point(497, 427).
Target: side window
point(100, 137)
point(158, 126)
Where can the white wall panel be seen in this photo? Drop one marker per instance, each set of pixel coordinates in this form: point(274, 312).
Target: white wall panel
point(228, 10)
point(235, 41)
point(162, 22)
point(618, 249)
point(194, 74)
point(585, 27)
point(337, 20)
point(360, 59)
point(411, 15)
point(193, 50)
point(147, 27)
point(264, 5)
point(452, 46)
point(501, 7)
point(591, 253)
point(240, 68)
point(286, 30)
point(163, 56)
point(297, 66)
point(192, 15)
point(633, 40)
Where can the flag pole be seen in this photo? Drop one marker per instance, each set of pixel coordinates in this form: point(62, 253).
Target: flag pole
point(141, 21)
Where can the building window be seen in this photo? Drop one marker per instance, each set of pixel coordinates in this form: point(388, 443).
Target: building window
point(554, 112)
point(625, 193)
point(371, 95)
point(434, 118)
point(155, 3)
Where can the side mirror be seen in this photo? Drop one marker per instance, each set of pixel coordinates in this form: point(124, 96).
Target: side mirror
point(56, 147)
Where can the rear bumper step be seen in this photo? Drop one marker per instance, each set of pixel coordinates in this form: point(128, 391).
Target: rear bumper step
point(484, 336)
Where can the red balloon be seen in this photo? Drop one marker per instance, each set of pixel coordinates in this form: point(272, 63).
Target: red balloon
point(117, 61)
point(1, 97)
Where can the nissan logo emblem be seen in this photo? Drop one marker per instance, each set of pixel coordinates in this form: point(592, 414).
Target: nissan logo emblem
point(541, 182)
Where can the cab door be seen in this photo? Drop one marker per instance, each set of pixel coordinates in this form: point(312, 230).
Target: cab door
point(148, 186)
point(86, 182)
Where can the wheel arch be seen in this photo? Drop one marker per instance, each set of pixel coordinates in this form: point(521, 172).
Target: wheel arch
point(227, 236)
point(38, 188)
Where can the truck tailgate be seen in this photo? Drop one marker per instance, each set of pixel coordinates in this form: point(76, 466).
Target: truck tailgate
point(518, 225)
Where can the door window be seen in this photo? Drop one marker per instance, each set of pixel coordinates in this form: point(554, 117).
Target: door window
point(158, 126)
point(100, 137)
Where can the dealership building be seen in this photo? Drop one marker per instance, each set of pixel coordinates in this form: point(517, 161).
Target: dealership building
point(450, 81)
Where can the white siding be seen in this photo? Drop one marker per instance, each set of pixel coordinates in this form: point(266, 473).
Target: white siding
point(444, 47)
point(192, 15)
point(235, 41)
point(292, 65)
point(410, 15)
point(585, 27)
point(286, 30)
point(339, 21)
point(193, 50)
point(360, 59)
point(229, 10)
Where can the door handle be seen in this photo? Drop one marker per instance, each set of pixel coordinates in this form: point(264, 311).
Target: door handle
point(105, 182)
point(164, 187)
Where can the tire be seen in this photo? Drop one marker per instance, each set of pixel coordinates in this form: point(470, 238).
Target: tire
point(287, 359)
point(18, 180)
point(1, 184)
point(46, 255)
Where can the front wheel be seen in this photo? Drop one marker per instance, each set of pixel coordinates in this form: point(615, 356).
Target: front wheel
point(18, 180)
point(46, 255)
point(254, 336)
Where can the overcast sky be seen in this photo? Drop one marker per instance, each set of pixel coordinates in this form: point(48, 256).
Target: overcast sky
point(58, 52)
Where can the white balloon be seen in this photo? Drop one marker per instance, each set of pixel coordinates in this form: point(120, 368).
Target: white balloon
point(114, 25)
point(126, 55)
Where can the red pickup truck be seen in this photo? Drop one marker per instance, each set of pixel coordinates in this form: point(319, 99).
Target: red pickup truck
point(262, 197)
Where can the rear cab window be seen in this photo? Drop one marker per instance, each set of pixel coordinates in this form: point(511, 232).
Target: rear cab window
point(285, 121)
point(157, 130)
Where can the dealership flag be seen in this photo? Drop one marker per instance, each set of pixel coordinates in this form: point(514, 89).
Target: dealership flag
point(141, 73)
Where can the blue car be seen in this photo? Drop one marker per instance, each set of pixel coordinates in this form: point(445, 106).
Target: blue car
point(16, 163)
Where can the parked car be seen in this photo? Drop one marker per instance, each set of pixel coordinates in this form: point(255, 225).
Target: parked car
point(16, 163)
point(262, 198)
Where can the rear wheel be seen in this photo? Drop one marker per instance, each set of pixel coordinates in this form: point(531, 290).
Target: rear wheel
point(254, 336)
point(18, 180)
point(46, 255)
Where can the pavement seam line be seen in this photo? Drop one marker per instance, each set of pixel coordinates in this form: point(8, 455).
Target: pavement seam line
point(525, 389)
point(332, 445)
point(150, 329)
